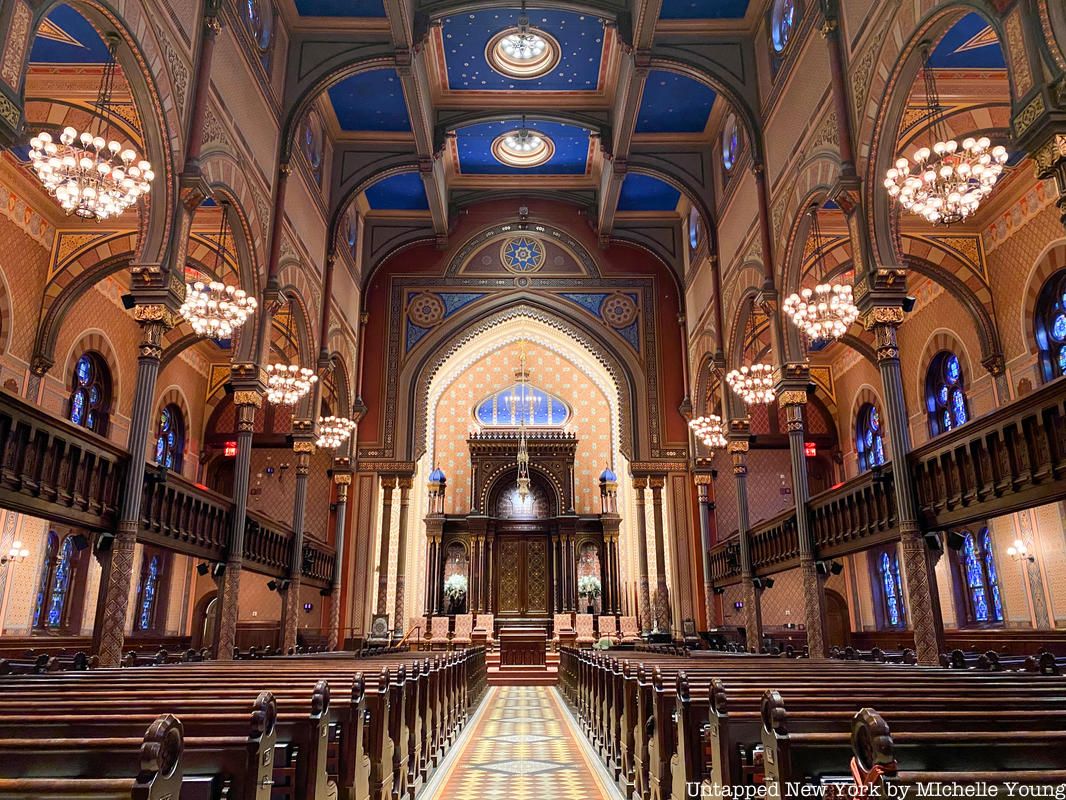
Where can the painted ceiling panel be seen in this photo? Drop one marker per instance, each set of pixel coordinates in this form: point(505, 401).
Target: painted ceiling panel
point(674, 103)
point(340, 8)
point(66, 37)
point(403, 192)
point(645, 193)
point(466, 37)
point(704, 9)
point(474, 145)
point(970, 44)
point(371, 101)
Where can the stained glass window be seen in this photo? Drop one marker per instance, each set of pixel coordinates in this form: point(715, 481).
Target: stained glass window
point(945, 394)
point(60, 589)
point(44, 583)
point(311, 143)
point(259, 16)
point(992, 574)
point(978, 567)
point(782, 21)
point(1050, 326)
point(148, 590)
point(522, 403)
point(90, 393)
point(730, 142)
point(170, 438)
point(693, 230)
point(892, 590)
point(869, 438)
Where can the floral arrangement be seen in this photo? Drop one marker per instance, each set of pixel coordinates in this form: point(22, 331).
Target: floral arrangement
point(589, 586)
point(605, 643)
point(455, 586)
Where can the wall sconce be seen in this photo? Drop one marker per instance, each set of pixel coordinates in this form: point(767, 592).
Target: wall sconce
point(308, 607)
point(1019, 552)
point(16, 555)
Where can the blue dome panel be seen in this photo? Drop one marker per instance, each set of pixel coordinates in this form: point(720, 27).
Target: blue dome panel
point(521, 403)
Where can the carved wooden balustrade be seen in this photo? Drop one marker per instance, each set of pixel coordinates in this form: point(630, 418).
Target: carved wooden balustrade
point(52, 468)
point(318, 564)
point(774, 544)
point(855, 515)
point(185, 517)
point(267, 545)
point(1010, 459)
point(725, 562)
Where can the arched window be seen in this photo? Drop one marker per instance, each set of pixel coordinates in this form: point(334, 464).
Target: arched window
point(523, 403)
point(259, 17)
point(311, 143)
point(693, 230)
point(783, 19)
point(1050, 325)
point(170, 438)
point(891, 591)
point(148, 590)
point(90, 393)
point(945, 394)
point(978, 567)
point(730, 142)
point(52, 609)
point(869, 438)
point(351, 231)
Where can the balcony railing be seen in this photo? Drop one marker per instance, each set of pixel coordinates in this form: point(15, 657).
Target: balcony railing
point(52, 469)
point(854, 515)
point(774, 544)
point(725, 562)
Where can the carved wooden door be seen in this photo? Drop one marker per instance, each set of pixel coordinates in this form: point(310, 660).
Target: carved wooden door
point(522, 576)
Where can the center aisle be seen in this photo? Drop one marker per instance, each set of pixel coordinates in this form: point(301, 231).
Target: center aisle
point(523, 746)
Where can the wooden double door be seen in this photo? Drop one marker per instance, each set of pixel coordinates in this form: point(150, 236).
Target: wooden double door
point(523, 575)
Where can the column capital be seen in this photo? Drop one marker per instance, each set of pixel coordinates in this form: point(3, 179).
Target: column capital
point(246, 376)
point(657, 482)
point(1049, 156)
point(158, 314)
point(388, 482)
point(640, 482)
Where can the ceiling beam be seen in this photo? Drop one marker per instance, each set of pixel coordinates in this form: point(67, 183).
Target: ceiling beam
point(631, 79)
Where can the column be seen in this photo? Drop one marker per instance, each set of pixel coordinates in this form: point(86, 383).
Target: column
point(117, 578)
point(401, 555)
point(489, 604)
point(738, 450)
point(388, 483)
point(922, 602)
point(246, 400)
point(342, 480)
point(640, 484)
point(557, 574)
point(662, 591)
point(793, 397)
point(703, 481)
point(1050, 158)
point(303, 447)
point(430, 605)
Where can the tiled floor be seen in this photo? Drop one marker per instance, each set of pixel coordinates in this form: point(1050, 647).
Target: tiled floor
point(523, 746)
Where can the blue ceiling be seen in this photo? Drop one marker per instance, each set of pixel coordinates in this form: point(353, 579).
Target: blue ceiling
point(340, 8)
point(970, 44)
point(474, 144)
point(674, 103)
point(66, 37)
point(370, 101)
point(403, 192)
point(466, 36)
point(645, 193)
point(704, 9)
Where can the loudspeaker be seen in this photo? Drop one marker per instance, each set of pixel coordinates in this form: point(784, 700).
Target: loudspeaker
point(202, 568)
point(219, 569)
point(103, 542)
point(956, 540)
point(934, 542)
point(227, 387)
point(80, 541)
point(908, 304)
point(127, 301)
point(836, 567)
point(768, 582)
point(718, 590)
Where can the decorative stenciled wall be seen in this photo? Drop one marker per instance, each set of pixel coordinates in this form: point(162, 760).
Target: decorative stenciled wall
point(550, 371)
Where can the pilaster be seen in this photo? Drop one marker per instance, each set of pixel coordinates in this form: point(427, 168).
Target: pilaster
point(342, 479)
point(738, 447)
point(663, 620)
point(388, 485)
point(401, 555)
point(640, 485)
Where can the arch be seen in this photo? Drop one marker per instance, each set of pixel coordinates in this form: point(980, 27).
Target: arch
point(496, 483)
point(174, 397)
point(890, 75)
point(866, 395)
point(7, 314)
point(144, 65)
point(1050, 261)
point(812, 184)
point(96, 341)
point(247, 220)
point(941, 340)
point(1053, 25)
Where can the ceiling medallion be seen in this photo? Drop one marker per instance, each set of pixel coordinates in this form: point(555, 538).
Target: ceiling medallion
point(523, 52)
point(523, 148)
point(522, 254)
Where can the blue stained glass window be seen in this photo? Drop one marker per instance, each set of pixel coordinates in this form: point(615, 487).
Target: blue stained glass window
point(61, 584)
point(147, 591)
point(945, 394)
point(90, 392)
point(975, 579)
point(782, 21)
point(869, 438)
point(45, 581)
point(993, 576)
point(170, 437)
point(892, 590)
point(77, 407)
point(547, 409)
point(84, 370)
point(1049, 326)
point(160, 450)
point(730, 142)
point(978, 564)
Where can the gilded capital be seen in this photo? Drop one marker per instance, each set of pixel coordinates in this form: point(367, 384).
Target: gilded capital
point(155, 313)
point(792, 398)
point(303, 446)
point(342, 479)
point(738, 446)
point(248, 398)
point(1050, 155)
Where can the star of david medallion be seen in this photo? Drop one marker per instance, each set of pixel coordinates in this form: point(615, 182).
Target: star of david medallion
point(522, 254)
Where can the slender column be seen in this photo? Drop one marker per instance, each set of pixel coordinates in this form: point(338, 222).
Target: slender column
point(640, 484)
point(342, 480)
point(663, 616)
point(841, 105)
point(303, 447)
point(212, 27)
point(246, 402)
point(431, 574)
point(557, 569)
point(738, 450)
point(401, 554)
point(270, 291)
point(109, 632)
point(605, 573)
point(388, 483)
point(489, 598)
point(793, 400)
point(704, 482)
point(616, 575)
point(922, 602)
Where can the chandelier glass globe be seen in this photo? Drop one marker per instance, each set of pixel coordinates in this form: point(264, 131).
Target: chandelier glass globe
point(710, 431)
point(334, 431)
point(753, 384)
point(523, 45)
point(215, 310)
point(287, 384)
point(523, 142)
point(91, 177)
point(824, 312)
point(946, 183)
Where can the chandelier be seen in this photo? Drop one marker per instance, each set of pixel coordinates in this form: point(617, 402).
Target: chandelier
point(826, 311)
point(523, 403)
point(524, 44)
point(523, 141)
point(287, 384)
point(90, 176)
point(710, 431)
point(214, 309)
point(948, 180)
point(334, 431)
point(753, 383)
